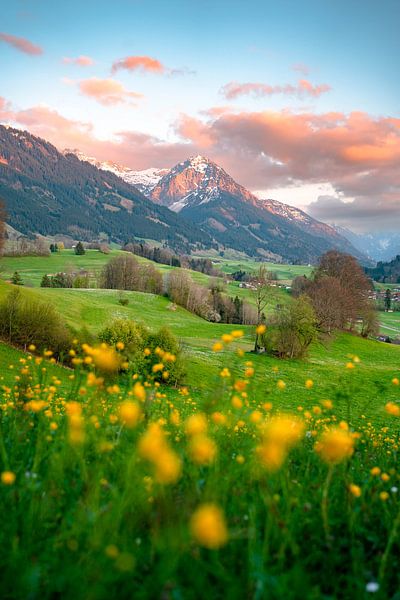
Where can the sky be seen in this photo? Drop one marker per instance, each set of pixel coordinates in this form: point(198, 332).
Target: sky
point(297, 101)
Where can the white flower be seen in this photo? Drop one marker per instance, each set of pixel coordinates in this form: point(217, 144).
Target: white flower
point(394, 489)
point(372, 587)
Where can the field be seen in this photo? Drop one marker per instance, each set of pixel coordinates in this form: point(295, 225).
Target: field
point(242, 482)
point(390, 323)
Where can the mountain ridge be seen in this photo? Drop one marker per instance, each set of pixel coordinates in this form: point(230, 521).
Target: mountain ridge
point(50, 193)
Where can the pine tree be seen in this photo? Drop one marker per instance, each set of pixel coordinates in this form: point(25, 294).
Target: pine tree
point(388, 299)
point(16, 279)
point(79, 249)
point(46, 281)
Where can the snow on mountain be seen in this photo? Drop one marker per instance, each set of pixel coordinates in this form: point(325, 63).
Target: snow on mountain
point(380, 246)
point(193, 182)
point(206, 194)
point(144, 180)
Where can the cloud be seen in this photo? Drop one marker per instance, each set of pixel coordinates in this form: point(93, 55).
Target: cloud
point(139, 63)
point(147, 64)
point(301, 68)
point(303, 88)
point(355, 156)
point(108, 92)
point(21, 44)
point(6, 112)
point(134, 149)
point(361, 214)
point(50, 125)
point(81, 61)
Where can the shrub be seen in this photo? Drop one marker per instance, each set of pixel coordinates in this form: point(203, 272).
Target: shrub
point(136, 338)
point(16, 279)
point(25, 320)
point(123, 301)
point(167, 342)
point(132, 334)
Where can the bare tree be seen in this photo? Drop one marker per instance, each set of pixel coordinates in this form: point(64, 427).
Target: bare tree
point(121, 273)
point(338, 291)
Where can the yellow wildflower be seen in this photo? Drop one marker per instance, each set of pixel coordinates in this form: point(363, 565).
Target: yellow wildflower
point(130, 413)
point(355, 490)
point(335, 445)
point(208, 526)
point(8, 477)
point(202, 449)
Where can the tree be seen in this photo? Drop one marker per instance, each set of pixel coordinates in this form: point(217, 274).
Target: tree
point(294, 328)
point(330, 302)
point(179, 287)
point(353, 281)
point(46, 282)
point(261, 293)
point(388, 299)
point(79, 249)
point(121, 273)
point(16, 279)
point(339, 291)
point(370, 323)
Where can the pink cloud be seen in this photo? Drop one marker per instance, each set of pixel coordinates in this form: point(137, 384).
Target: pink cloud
point(6, 112)
point(359, 155)
point(233, 90)
point(139, 63)
point(21, 44)
point(81, 61)
point(106, 91)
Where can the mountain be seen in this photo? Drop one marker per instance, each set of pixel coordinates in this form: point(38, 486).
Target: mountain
point(377, 246)
point(144, 181)
point(386, 272)
point(50, 193)
point(204, 193)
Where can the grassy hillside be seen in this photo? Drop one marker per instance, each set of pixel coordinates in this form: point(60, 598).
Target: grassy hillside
point(226, 489)
point(94, 309)
point(33, 268)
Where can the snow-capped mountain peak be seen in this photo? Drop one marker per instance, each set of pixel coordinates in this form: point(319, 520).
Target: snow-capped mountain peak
point(193, 182)
point(144, 180)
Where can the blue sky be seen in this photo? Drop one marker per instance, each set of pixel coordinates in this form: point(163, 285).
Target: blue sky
point(352, 48)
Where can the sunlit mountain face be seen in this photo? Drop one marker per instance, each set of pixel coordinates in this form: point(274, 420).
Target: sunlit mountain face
point(204, 193)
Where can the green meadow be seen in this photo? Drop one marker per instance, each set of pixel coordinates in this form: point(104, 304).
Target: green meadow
point(241, 482)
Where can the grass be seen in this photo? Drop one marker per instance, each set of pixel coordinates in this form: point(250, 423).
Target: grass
point(32, 268)
point(390, 323)
point(110, 487)
point(94, 309)
point(140, 492)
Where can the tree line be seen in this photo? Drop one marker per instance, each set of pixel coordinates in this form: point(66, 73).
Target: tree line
point(124, 272)
point(166, 257)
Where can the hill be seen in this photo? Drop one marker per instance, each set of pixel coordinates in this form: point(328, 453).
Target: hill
point(386, 272)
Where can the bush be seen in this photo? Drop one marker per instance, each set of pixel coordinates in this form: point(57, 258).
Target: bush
point(25, 320)
point(136, 338)
point(132, 334)
point(165, 340)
